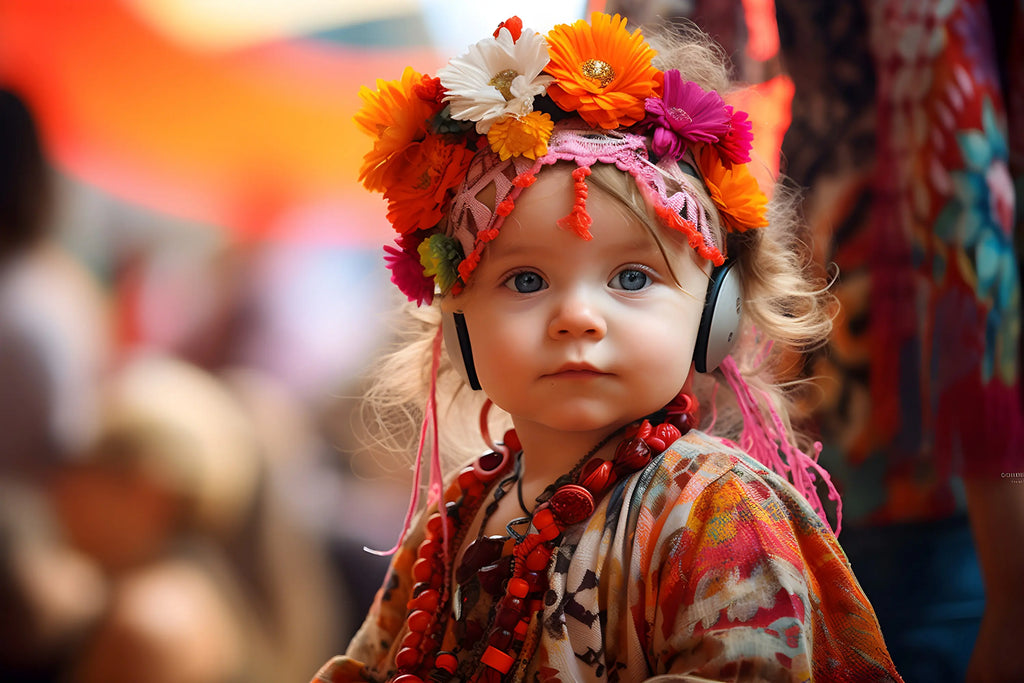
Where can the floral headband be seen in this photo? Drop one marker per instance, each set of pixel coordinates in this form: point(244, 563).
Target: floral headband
point(518, 101)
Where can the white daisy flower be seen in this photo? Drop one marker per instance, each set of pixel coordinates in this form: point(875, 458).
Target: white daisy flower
point(497, 77)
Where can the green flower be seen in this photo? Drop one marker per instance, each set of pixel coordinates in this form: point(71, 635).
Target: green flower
point(440, 256)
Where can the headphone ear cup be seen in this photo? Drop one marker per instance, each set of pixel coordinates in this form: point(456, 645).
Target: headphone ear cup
point(456, 340)
point(720, 322)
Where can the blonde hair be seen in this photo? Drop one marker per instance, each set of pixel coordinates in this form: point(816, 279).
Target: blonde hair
point(787, 308)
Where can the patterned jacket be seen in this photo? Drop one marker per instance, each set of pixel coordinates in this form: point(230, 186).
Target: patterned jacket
point(704, 564)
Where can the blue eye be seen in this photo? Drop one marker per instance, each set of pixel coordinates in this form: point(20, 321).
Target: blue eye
point(526, 282)
point(630, 279)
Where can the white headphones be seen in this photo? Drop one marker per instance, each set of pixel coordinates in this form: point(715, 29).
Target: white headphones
point(716, 335)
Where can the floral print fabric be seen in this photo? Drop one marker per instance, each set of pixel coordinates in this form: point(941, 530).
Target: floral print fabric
point(704, 563)
point(900, 132)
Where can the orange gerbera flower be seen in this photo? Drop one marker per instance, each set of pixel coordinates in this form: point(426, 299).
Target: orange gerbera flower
point(526, 136)
point(396, 117)
point(602, 71)
point(734, 190)
point(419, 180)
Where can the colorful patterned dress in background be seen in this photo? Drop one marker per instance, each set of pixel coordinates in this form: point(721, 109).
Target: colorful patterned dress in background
point(703, 563)
point(900, 135)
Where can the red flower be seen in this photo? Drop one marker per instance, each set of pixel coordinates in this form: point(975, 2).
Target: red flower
point(418, 182)
point(514, 26)
point(407, 271)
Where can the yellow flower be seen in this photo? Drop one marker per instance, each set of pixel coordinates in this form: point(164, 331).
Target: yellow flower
point(602, 71)
point(525, 136)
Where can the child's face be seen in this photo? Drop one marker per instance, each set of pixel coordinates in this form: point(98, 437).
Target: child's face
point(581, 335)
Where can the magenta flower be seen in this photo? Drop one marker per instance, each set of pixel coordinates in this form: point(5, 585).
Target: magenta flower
point(684, 113)
point(735, 145)
point(407, 271)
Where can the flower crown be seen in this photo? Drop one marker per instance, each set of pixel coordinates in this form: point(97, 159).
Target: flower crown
point(517, 101)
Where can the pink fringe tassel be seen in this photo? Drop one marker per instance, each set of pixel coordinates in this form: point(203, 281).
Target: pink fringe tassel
point(435, 482)
point(772, 445)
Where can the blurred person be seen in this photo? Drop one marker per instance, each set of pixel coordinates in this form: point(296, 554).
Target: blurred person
point(906, 128)
point(170, 501)
point(54, 322)
point(274, 319)
point(51, 596)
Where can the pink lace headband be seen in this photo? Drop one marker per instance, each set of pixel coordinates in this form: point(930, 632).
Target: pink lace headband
point(475, 223)
point(519, 101)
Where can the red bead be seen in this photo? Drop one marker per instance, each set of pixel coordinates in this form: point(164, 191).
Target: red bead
point(521, 628)
point(510, 602)
point(498, 660)
point(684, 422)
point(640, 431)
point(500, 638)
point(423, 569)
point(526, 546)
point(632, 454)
point(435, 526)
point(539, 558)
point(490, 465)
point(429, 549)
point(412, 639)
point(667, 433)
point(507, 618)
point(446, 661)
point(428, 601)
point(543, 518)
point(407, 678)
point(419, 587)
point(420, 620)
point(467, 478)
point(598, 480)
point(512, 441)
point(571, 504)
point(550, 533)
point(408, 658)
point(536, 579)
point(683, 403)
point(589, 467)
point(431, 643)
point(482, 552)
point(493, 578)
point(518, 587)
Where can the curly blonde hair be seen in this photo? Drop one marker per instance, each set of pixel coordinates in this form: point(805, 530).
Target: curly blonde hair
point(787, 309)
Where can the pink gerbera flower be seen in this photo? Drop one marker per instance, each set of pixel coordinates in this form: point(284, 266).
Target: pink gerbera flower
point(684, 113)
point(735, 145)
point(407, 271)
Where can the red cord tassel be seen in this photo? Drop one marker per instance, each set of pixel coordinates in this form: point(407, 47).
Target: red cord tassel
point(578, 220)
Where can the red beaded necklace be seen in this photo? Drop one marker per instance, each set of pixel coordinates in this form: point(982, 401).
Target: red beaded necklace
point(569, 501)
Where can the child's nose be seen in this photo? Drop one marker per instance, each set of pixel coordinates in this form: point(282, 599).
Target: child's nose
point(577, 315)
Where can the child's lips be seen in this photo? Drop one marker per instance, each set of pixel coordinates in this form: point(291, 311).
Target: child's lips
point(577, 371)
